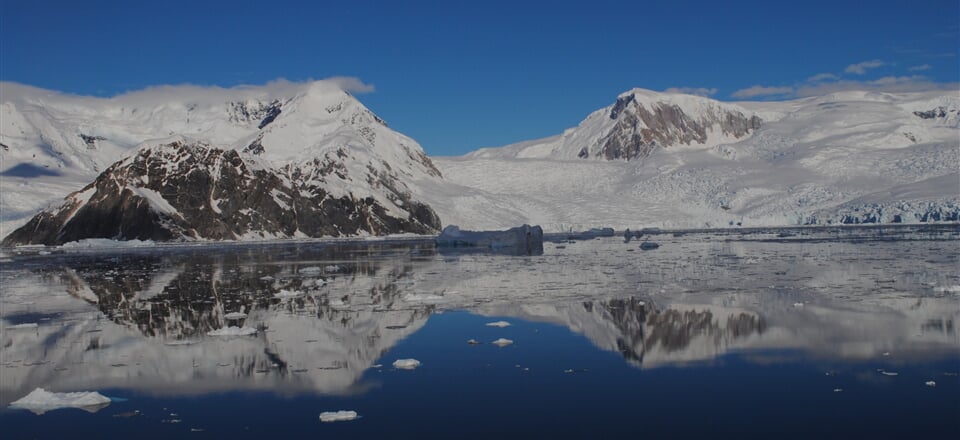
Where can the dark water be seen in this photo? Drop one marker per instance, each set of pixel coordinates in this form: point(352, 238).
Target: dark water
point(762, 334)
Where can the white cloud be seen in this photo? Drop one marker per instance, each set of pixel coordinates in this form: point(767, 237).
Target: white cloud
point(891, 84)
point(822, 77)
point(699, 91)
point(920, 68)
point(861, 68)
point(757, 91)
point(351, 84)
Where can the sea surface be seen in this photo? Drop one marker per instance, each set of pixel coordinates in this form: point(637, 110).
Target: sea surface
point(764, 333)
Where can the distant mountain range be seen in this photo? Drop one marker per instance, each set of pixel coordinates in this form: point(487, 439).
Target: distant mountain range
point(309, 160)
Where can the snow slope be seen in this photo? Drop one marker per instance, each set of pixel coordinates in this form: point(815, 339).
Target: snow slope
point(52, 143)
point(847, 157)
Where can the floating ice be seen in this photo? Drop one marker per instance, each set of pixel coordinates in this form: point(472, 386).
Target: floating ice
point(233, 331)
point(179, 342)
point(931, 383)
point(26, 325)
point(798, 305)
point(337, 416)
point(524, 239)
point(40, 401)
point(406, 364)
point(331, 268)
point(838, 390)
point(313, 270)
point(889, 373)
point(472, 341)
point(502, 342)
point(284, 293)
point(947, 289)
point(422, 297)
point(500, 324)
point(235, 315)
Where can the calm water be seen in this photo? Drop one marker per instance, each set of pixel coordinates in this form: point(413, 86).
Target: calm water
point(756, 334)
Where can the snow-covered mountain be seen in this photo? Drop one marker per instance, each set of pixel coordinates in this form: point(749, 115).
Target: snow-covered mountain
point(692, 162)
point(638, 123)
point(207, 163)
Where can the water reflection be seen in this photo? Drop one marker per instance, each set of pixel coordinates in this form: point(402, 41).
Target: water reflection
point(326, 313)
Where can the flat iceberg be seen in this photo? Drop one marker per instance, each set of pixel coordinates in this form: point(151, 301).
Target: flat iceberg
point(284, 293)
point(500, 324)
point(406, 364)
point(522, 240)
point(235, 315)
point(233, 331)
point(337, 416)
point(27, 325)
point(40, 401)
point(502, 342)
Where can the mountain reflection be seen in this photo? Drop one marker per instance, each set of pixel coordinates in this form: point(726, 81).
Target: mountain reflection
point(326, 313)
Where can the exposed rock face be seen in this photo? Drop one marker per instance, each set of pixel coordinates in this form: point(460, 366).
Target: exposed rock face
point(642, 128)
point(194, 191)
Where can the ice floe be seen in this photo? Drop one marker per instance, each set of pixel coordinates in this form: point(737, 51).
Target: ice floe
point(235, 315)
point(26, 325)
point(233, 331)
point(284, 293)
point(502, 342)
point(337, 416)
point(406, 364)
point(930, 383)
point(500, 324)
point(40, 401)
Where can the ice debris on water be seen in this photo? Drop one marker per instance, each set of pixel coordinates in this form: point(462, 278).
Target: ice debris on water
point(312, 270)
point(40, 401)
point(947, 289)
point(337, 416)
point(798, 304)
point(838, 390)
point(233, 331)
point(284, 293)
point(406, 364)
point(24, 326)
point(502, 342)
point(500, 324)
point(472, 341)
point(931, 383)
point(235, 316)
point(889, 373)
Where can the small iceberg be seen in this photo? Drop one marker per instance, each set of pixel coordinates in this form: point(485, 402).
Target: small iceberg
point(338, 416)
point(233, 331)
point(648, 246)
point(284, 294)
point(24, 326)
point(947, 289)
point(406, 364)
point(522, 240)
point(40, 401)
point(889, 373)
point(930, 383)
point(502, 342)
point(312, 270)
point(234, 316)
point(500, 324)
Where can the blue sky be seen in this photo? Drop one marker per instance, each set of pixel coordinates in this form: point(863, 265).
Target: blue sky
point(461, 75)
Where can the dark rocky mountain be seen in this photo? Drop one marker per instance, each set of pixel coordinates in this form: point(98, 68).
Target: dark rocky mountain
point(183, 191)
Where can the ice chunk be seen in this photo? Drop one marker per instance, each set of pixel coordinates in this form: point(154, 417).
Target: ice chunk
point(40, 401)
point(26, 325)
point(331, 268)
point(525, 240)
point(406, 364)
point(179, 342)
point(284, 293)
point(235, 315)
point(500, 324)
point(233, 331)
point(502, 342)
point(337, 416)
point(798, 305)
point(472, 341)
point(313, 270)
point(889, 373)
point(947, 289)
point(422, 297)
point(931, 383)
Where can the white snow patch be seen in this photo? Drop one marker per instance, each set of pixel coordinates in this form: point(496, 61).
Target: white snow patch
point(406, 364)
point(40, 401)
